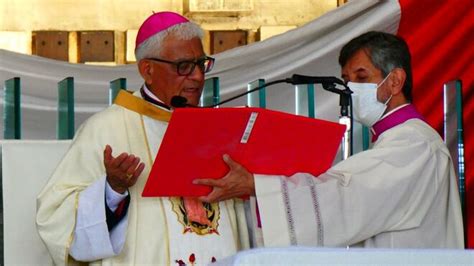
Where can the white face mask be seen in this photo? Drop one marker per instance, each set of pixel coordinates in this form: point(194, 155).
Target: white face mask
point(367, 109)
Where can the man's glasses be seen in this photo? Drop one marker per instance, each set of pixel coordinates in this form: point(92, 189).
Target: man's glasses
point(186, 67)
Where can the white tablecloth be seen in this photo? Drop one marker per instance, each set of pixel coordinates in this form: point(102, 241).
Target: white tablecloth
point(342, 256)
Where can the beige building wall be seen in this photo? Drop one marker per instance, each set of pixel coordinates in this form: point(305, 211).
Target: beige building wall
point(19, 18)
point(70, 15)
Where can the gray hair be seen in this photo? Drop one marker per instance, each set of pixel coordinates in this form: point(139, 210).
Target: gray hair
point(152, 46)
point(386, 51)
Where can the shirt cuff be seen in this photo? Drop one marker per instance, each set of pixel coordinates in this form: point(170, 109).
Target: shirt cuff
point(113, 198)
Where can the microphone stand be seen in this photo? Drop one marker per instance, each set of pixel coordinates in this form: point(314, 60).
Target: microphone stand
point(345, 101)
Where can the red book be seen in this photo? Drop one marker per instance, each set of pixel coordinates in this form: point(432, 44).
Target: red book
point(263, 141)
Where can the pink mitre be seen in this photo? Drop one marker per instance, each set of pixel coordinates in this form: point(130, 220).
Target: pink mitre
point(156, 23)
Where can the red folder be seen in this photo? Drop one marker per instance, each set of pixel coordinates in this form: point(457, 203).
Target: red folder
point(263, 141)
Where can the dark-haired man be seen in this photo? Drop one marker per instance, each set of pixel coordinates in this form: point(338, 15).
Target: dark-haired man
point(402, 193)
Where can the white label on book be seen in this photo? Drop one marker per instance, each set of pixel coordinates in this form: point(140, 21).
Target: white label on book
point(248, 128)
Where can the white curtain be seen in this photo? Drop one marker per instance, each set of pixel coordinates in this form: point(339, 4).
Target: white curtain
point(310, 50)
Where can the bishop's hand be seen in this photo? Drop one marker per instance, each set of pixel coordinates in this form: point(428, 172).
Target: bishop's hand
point(122, 171)
point(237, 182)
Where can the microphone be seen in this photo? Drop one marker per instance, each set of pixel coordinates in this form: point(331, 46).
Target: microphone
point(179, 102)
point(327, 82)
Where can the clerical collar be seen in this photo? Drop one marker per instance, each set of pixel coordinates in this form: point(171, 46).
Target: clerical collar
point(394, 118)
point(150, 97)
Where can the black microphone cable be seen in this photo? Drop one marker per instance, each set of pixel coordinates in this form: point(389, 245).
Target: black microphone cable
point(180, 101)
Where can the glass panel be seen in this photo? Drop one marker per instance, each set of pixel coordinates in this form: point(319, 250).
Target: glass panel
point(256, 98)
point(12, 109)
point(65, 127)
point(115, 86)
point(453, 130)
point(210, 93)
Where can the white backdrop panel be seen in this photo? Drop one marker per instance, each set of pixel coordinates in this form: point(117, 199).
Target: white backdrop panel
point(26, 166)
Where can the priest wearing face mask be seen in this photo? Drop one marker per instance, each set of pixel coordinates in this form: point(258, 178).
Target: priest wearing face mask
point(402, 193)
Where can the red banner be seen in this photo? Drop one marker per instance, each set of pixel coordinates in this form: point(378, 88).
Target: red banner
point(440, 37)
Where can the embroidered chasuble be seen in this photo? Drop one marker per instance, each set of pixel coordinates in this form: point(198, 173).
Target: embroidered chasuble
point(165, 231)
point(402, 193)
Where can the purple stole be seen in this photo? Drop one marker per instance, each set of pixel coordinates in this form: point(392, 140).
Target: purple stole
point(399, 116)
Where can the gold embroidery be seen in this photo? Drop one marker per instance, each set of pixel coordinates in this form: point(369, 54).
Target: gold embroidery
point(212, 217)
point(138, 105)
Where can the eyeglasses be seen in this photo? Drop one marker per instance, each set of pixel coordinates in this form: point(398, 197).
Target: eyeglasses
point(186, 67)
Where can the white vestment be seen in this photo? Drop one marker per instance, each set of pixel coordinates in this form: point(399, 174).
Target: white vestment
point(400, 194)
point(156, 229)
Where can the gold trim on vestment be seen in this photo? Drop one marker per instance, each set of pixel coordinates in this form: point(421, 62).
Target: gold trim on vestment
point(138, 105)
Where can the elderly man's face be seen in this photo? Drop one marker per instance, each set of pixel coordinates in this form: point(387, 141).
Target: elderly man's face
point(360, 69)
point(164, 80)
